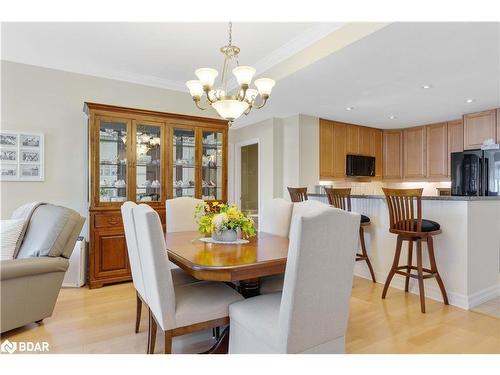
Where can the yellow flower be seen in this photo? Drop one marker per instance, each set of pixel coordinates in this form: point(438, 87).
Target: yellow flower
point(233, 213)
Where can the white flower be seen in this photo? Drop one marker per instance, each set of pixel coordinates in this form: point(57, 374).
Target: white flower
point(219, 221)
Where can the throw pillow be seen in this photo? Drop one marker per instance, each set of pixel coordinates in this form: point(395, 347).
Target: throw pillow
point(9, 234)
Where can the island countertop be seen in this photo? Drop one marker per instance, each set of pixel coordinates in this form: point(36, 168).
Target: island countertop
point(428, 197)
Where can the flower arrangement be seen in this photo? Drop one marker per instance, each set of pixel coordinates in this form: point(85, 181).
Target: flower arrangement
point(217, 218)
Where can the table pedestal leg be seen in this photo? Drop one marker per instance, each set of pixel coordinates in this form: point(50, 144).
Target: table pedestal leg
point(249, 288)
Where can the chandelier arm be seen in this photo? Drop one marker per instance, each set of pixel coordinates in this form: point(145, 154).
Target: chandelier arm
point(248, 110)
point(210, 101)
point(197, 102)
point(264, 101)
point(241, 96)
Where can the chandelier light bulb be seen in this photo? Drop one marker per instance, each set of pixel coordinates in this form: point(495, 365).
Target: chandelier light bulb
point(206, 76)
point(265, 86)
point(195, 88)
point(244, 74)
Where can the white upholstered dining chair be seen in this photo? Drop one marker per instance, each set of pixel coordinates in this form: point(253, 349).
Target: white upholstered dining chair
point(276, 221)
point(280, 216)
point(310, 315)
point(179, 276)
point(177, 309)
point(180, 214)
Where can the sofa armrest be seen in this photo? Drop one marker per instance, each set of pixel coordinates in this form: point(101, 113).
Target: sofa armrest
point(15, 268)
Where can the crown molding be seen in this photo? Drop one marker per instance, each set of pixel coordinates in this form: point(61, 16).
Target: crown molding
point(124, 76)
point(303, 40)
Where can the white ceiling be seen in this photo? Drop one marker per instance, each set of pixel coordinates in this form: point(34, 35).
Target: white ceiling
point(383, 74)
point(159, 54)
point(379, 75)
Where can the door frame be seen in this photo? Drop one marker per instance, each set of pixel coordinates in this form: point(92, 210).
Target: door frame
point(237, 172)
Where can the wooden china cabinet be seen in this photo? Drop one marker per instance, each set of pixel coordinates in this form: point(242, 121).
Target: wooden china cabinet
point(146, 157)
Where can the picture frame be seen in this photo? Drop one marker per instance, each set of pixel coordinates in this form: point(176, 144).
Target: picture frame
point(21, 156)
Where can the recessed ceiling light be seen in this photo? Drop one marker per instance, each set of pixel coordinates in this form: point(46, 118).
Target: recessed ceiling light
point(392, 117)
point(427, 87)
point(470, 100)
point(349, 108)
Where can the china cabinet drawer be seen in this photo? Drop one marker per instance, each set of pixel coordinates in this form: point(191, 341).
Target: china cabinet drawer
point(108, 220)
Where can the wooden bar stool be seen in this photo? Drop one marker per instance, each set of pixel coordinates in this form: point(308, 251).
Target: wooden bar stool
point(341, 198)
point(402, 221)
point(297, 194)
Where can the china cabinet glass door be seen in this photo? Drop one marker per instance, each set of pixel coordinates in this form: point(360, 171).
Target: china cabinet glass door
point(148, 162)
point(211, 165)
point(183, 162)
point(113, 166)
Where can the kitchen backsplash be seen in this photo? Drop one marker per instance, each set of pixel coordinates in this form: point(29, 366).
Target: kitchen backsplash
point(375, 187)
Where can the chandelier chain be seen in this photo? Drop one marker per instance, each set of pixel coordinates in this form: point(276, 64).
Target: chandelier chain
point(230, 32)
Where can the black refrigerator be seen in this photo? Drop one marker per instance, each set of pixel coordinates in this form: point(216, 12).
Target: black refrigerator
point(475, 172)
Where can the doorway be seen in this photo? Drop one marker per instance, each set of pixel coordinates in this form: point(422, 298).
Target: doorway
point(249, 181)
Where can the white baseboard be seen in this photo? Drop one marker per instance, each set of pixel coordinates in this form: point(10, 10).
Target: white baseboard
point(456, 299)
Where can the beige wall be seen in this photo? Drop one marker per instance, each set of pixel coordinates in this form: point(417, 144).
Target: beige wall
point(51, 102)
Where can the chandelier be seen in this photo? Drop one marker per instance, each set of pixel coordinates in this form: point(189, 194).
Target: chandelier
point(243, 99)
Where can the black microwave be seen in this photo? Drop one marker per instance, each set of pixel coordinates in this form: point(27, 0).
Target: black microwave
point(357, 165)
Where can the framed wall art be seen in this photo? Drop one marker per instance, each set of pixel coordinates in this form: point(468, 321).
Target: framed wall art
point(21, 156)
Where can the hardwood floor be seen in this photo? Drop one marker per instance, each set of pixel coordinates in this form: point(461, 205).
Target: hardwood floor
point(102, 321)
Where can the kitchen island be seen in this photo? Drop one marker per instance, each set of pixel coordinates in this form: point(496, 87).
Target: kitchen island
point(467, 250)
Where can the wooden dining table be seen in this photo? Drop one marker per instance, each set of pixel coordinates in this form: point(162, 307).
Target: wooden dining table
point(241, 264)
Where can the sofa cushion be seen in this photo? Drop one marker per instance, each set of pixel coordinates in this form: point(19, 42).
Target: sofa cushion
point(10, 230)
point(48, 231)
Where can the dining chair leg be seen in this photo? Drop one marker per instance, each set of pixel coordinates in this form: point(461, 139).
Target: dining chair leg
point(365, 254)
point(394, 267)
point(138, 312)
point(167, 349)
point(152, 333)
point(430, 246)
point(420, 273)
point(410, 261)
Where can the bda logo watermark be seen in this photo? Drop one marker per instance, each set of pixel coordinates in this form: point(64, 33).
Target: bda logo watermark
point(24, 346)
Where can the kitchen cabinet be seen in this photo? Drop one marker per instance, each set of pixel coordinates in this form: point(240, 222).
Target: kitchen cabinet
point(352, 145)
point(479, 127)
point(339, 149)
point(145, 157)
point(455, 139)
point(325, 149)
point(392, 154)
point(366, 141)
point(376, 150)
point(414, 153)
point(437, 151)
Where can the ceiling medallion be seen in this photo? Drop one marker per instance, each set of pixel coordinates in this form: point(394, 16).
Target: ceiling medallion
point(230, 106)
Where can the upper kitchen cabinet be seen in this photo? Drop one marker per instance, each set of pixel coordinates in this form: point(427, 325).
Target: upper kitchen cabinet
point(366, 141)
point(337, 140)
point(479, 127)
point(352, 145)
point(437, 151)
point(455, 139)
point(392, 153)
point(414, 153)
point(340, 133)
point(325, 149)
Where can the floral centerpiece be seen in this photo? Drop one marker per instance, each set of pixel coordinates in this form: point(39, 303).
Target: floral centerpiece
point(222, 221)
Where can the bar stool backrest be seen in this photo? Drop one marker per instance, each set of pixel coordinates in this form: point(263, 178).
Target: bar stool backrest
point(339, 198)
point(298, 194)
point(402, 215)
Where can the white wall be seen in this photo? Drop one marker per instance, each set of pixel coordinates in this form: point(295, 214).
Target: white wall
point(51, 102)
point(269, 135)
